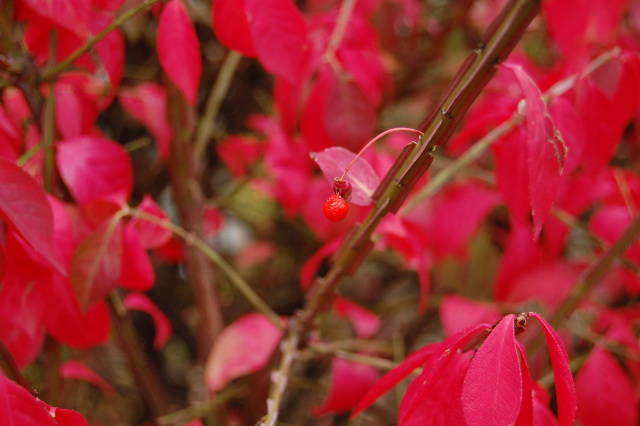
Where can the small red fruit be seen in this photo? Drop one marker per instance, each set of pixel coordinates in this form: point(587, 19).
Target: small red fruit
point(335, 208)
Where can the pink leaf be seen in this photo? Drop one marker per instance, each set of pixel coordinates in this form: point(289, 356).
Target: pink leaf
point(24, 206)
point(606, 395)
point(64, 417)
point(96, 264)
point(546, 151)
point(231, 25)
point(458, 313)
point(364, 180)
point(365, 322)
point(179, 49)
point(243, 347)
point(280, 37)
point(73, 369)
point(395, 376)
point(492, 391)
point(136, 270)
point(525, 417)
point(151, 235)
point(142, 303)
point(95, 168)
point(310, 267)
point(147, 102)
point(18, 407)
point(349, 382)
point(565, 387)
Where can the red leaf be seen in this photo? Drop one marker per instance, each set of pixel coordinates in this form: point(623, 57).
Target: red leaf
point(136, 270)
point(231, 26)
point(442, 404)
point(349, 382)
point(24, 206)
point(64, 417)
point(310, 267)
point(457, 213)
point(606, 395)
point(71, 15)
point(565, 388)
point(66, 322)
point(243, 347)
point(179, 49)
point(151, 236)
point(18, 407)
point(395, 376)
point(147, 102)
point(545, 154)
point(434, 374)
point(280, 37)
point(458, 313)
point(76, 111)
point(365, 322)
point(525, 417)
point(142, 303)
point(96, 264)
point(95, 168)
point(349, 117)
point(76, 370)
point(492, 390)
point(363, 179)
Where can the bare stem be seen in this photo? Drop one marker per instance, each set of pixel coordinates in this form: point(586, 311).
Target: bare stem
point(14, 370)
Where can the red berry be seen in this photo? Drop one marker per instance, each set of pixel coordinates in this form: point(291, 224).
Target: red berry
point(335, 208)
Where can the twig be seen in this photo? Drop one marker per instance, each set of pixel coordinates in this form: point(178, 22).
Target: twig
point(12, 365)
point(240, 284)
point(218, 92)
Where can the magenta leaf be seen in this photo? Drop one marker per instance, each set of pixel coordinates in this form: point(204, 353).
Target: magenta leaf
point(243, 347)
point(394, 376)
point(179, 49)
point(545, 154)
point(349, 382)
point(141, 302)
point(364, 180)
point(605, 393)
point(279, 35)
point(96, 264)
point(24, 207)
point(231, 25)
point(95, 168)
point(147, 102)
point(73, 369)
point(565, 387)
point(492, 391)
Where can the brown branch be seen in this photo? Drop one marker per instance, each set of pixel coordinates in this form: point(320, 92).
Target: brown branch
point(185, 170)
